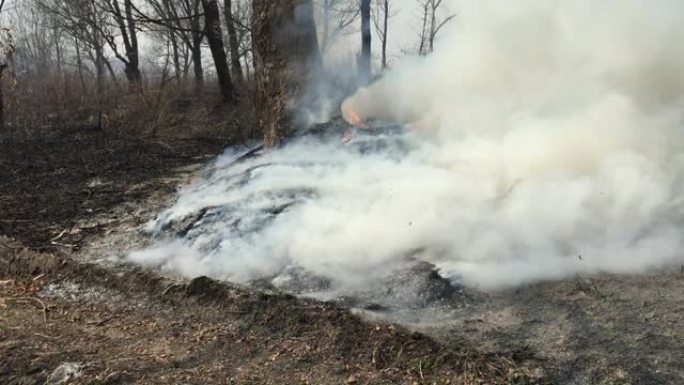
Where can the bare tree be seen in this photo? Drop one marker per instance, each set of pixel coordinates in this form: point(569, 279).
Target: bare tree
point(212, 27)
point(126, 23)
point(233, 41)
point(38, 39)
point(242, 19)
point(431, 24)
point(381, 14)
point(163, 27)
point(182, 20)
point(7, 47)
point(365, 57)
point(89, 29)
point(337, 16)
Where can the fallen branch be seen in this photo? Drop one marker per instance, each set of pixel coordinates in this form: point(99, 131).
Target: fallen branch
point(67, 245)
point(60, 235)
point(45, 336)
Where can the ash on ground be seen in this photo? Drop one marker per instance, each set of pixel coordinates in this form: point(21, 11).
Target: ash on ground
point(204, 225)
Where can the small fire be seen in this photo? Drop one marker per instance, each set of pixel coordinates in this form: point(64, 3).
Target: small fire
point(352, 117)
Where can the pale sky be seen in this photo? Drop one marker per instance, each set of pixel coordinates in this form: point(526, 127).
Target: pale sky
point(403, 32)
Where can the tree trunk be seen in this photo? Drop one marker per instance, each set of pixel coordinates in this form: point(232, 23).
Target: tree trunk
point(196, 55)
point(2, 99)
point(326, 25)
point(423, 30)
point(79, 67)
point(187, 59)
point(176, 56)
point(212, 27)
point(132, 68)
point(58, 52)
point(99, 70)
point(126, 23)
point(286, 58)
point(233, 42)
point(385, 22)
point(433, 24)
point(112, 73)
point(365, 59)
point(133, 74)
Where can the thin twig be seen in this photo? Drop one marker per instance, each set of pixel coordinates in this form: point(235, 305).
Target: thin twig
point(45, 336)
point(100, 322)
point(10, 246)
point(420, 370)
point(41, 303)
point(67, 245)
point(59, 235)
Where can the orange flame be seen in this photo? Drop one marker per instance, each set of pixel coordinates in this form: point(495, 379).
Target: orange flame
point(352, 117)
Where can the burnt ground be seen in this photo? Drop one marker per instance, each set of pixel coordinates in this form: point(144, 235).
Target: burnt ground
point(137, 327)
point(119, 325)
point(48, 184)
point(63, 320)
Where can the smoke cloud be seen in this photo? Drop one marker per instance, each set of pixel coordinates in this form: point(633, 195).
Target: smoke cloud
point(545, 140)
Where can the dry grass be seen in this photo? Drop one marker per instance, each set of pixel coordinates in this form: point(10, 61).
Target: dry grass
point(124, 327)
point(44, 106)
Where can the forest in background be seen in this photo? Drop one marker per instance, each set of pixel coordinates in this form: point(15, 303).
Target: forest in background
point(188, 67)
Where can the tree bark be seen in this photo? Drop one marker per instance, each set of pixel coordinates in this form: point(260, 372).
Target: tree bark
point(196, 54)
point(126, 23)
point(212, 27)
point(176, 55)
point(99, 70)
point(365, 59)
point(133, 66)
point(79, 67)
point(286, 58)
point(112, 73)
point(233, 41)
point(326, 24)
point(433, 24)
point(2, 98)
point(385, 23)
point(423, 30)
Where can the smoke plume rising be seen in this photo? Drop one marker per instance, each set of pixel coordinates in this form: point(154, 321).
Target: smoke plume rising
point(545, 140)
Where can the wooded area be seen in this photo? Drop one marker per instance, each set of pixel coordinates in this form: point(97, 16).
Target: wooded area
point(272, 192)
point(183, 67)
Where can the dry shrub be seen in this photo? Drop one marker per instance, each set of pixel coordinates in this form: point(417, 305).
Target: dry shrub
point(39, 106)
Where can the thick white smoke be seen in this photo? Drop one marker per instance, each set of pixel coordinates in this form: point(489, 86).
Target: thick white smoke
point(555, 148)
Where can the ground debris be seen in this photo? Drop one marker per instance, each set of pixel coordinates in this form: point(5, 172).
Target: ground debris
point(65, 373)
point(48, 184)
point(206, 331)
